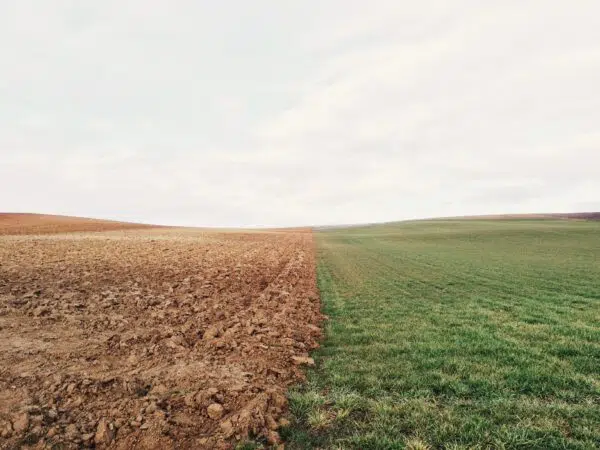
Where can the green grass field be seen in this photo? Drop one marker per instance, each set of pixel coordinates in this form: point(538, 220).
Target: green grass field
point(456, 334)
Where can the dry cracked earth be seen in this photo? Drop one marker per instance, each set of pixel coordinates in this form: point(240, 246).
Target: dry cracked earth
point(151, 338)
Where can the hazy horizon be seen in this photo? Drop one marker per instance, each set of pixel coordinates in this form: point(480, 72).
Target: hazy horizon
point(286, 114)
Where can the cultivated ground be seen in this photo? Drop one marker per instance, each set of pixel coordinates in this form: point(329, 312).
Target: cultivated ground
point(29, 224)
point(456, 334)
point(152, 338)
point(443, 334)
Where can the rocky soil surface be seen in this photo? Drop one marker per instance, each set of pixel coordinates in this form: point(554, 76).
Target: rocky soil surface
point(153, 338)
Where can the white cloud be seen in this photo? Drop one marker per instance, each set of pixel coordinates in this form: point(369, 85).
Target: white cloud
point(281, 113)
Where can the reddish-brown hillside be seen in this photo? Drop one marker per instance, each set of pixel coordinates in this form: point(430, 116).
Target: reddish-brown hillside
point(570, 216)
point(579, 216)
point(22, 224)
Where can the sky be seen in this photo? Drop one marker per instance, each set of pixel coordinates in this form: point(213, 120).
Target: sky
point(283, 113)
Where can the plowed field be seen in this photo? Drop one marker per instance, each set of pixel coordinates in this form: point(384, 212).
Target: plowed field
point(27, 224)
point(153, 338)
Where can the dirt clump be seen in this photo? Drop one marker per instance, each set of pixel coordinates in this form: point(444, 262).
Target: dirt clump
point(152, 339)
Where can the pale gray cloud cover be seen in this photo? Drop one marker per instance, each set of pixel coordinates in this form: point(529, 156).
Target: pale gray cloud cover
point(239, 113)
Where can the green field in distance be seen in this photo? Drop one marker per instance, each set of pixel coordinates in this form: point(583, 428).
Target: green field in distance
point(456, 334)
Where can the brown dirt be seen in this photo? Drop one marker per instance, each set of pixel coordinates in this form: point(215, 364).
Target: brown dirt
point(152, 339)
point(579, 216)
point(27, 224)
point(568, 216)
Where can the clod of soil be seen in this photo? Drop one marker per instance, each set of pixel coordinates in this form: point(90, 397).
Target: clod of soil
point(153, 338)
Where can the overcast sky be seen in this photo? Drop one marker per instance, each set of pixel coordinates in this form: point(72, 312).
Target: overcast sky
point(280, 112)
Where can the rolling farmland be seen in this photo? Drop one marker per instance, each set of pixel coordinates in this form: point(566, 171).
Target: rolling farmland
point(450, 333)
point(456, 334)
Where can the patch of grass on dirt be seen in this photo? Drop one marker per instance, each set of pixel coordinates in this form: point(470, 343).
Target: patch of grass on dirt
point(456, 334)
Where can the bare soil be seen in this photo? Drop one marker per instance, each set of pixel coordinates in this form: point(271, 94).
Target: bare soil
point(580, 216)
point(152, 338)
point(568, 216)
point(27, 224)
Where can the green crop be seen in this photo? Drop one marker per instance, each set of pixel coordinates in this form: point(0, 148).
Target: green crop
point(456, 334)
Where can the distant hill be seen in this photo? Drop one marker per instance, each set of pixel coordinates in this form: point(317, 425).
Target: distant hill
point(547, 216)
point(573, 216)
point(581, 216)
point(22, 224)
